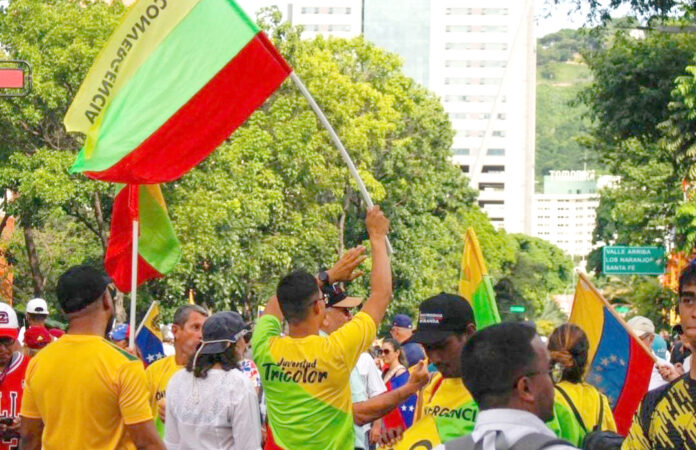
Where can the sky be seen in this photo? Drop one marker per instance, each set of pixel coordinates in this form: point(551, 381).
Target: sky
point(549, 18)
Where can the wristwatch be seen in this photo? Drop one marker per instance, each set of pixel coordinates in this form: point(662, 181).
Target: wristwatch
point(324, 277)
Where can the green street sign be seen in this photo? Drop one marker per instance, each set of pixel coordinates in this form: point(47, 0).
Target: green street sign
point(623, 260)
point(518, 309)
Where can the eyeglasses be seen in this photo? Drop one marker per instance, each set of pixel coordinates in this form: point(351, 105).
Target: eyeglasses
point(384, 351)
point(555, 372)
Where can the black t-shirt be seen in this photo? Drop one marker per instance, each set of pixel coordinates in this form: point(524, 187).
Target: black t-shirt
point(666, 418)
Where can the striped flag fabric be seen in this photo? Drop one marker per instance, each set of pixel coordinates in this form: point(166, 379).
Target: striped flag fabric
point(173, 81)
point(475, 284)
point(148, 338)
point(158, 248)
point(619, 364)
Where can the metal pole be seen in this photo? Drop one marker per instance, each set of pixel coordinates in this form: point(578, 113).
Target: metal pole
point(339, 145)
point(134, 284)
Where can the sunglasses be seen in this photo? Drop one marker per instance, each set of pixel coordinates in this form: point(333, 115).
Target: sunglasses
point(384, 351)
point(6, 341)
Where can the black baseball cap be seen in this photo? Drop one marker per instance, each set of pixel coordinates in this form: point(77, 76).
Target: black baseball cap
point(80, 286)
point(337, 297)
point(225, 326)
point(442, 316)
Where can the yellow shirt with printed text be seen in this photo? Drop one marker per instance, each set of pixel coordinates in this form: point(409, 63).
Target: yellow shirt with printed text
point(158, 375)
point(446, 397)
point(86, 390)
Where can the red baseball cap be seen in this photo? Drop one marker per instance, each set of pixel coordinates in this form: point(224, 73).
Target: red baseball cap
point(37, 337)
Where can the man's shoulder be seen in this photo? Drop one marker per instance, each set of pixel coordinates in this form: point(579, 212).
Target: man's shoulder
point(161, 364)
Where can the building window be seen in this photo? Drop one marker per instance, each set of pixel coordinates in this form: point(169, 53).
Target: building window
point(476, 11)
point(474, 63)
point(493, 169)
point(475, 46)
point(333, 10)
point(474, 81)
point(465, 169)
point(495, 152)
point(461, 151)
point(498, 133)
point(492, 187)
point(476, 29)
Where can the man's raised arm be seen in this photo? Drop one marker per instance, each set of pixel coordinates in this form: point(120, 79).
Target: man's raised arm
point(381, 278)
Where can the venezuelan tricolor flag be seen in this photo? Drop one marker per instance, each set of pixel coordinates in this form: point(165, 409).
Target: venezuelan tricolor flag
point(619, 364)
point(173, 81)
point(148, 338)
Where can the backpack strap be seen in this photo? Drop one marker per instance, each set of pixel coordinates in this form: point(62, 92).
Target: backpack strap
point(598, 427)
point(572, 406)
point(537, 441)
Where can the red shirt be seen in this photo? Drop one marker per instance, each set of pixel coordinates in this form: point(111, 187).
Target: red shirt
point(11, 388)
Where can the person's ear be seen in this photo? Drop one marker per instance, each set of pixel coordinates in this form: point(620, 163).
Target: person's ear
point(107, 303)
point(175, 329)
point(470, 329)
point(316, 307)
point(524, 390)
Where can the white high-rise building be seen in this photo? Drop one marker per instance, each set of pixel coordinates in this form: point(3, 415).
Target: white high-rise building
point(479, 57)
point(340, 18)
point(565, 214)
point(483, 65)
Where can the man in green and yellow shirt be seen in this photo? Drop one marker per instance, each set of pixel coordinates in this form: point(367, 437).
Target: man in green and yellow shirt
point(305, 376)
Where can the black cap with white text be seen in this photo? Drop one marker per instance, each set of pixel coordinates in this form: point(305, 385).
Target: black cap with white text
point(441, 316)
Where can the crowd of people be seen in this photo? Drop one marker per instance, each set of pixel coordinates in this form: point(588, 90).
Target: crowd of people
point(310, 373)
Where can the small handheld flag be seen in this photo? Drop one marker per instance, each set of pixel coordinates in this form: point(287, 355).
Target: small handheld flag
point(475, 284)
point(158, 249)
point(148, 338)
point(619, 363)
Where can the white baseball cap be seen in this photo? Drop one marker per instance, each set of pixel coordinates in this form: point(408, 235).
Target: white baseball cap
point(37, 306)
point(641, 326)
point(9, 326)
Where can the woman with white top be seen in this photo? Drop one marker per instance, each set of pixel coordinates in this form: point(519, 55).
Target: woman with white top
point(212, 404)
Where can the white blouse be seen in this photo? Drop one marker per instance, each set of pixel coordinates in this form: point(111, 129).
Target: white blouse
point(220, 411)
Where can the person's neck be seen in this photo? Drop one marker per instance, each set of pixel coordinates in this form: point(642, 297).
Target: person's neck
point(180, 356)
point(86, 325)
point(303, 329)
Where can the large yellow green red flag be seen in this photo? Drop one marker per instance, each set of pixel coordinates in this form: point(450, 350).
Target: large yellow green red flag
point(173, 81)
point(475, 284)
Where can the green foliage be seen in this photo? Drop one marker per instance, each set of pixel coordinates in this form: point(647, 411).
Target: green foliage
point(560, 120)
point(645, 295)
point(602, 9)
point(564, 45)
point(539, 268)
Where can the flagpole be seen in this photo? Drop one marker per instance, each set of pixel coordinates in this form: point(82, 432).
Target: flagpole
point(338, 144)
point(587, 282)
point(134, 284)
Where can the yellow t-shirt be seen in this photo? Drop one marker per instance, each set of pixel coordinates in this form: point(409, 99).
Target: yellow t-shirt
point(158, 375)
point(586, 399)
point(85, 390)
point(306, 382)
point(446, 397)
